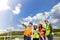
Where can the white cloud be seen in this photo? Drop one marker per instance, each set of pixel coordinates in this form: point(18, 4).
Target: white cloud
point(37, 17)
point(29, 19)
point(8, 29)
point(54, 15)
point(55, 11)
point(3, 31)
point(4, 5)
point(17, 9)
point(54, 20)
point(55, 27)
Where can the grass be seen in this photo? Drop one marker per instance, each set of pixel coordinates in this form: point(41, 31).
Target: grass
point(56, 30)
point(14, 35)
point(20, 34)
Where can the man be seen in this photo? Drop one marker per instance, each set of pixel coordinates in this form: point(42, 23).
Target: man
point(27, 31)
point(49, 30)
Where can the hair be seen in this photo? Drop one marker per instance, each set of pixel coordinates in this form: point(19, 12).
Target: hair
point(46, 20)
point(35, 27)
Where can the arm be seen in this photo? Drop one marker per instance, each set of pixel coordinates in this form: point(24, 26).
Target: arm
point(51, 28)
point(22, 23)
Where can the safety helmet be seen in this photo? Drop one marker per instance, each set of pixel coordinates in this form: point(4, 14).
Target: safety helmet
point(40, 23)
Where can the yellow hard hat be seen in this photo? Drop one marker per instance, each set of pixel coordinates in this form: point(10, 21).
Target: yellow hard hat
point(40, 23)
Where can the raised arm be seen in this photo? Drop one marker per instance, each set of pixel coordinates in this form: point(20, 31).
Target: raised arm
point(22, 23)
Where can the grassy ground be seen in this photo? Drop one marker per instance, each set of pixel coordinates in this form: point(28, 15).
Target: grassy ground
point(20, 34)
point(14, 35)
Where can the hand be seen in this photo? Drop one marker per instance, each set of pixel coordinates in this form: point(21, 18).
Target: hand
point(21, 21)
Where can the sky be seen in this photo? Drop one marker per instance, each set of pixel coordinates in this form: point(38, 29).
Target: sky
point(28, 11)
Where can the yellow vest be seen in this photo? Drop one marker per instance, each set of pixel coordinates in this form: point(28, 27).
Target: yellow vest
point(35, 35)
point(47, 29)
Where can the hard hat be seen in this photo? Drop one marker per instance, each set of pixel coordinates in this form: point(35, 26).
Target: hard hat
point(40, 23)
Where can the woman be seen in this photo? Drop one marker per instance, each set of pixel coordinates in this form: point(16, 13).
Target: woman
point(35, 33)
point(41, 31)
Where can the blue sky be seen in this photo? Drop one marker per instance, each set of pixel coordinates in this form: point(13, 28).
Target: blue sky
point(32, 7)
point(27, 9)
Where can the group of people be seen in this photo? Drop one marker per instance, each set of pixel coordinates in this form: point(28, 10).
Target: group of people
point(38, 32)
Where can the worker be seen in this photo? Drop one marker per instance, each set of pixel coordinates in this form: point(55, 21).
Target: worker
point(27, 31)
point(49, 30)
point(42, 31)
point(35, 33)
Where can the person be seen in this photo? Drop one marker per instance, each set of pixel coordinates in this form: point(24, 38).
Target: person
point(27, 31)
point(35, 33)
point(41, 31)
point(49, 30)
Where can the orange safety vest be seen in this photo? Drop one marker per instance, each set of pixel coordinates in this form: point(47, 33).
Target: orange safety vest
point(27, 31)
point(42, 35)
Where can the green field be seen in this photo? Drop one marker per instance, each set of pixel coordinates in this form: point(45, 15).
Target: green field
point(20, 34)
point(14, 35)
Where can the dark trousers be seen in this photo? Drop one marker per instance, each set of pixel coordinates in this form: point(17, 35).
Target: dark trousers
point(50, 37)
point(27, 38)
point(35, 38)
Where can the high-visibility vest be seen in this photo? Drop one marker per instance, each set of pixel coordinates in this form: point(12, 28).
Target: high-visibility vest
point(35, 35)
point(48, 29)
point(27, 31)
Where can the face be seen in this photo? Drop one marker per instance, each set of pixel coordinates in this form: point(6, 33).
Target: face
point(46, 22)
point(30, 25)
point(35, 27)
